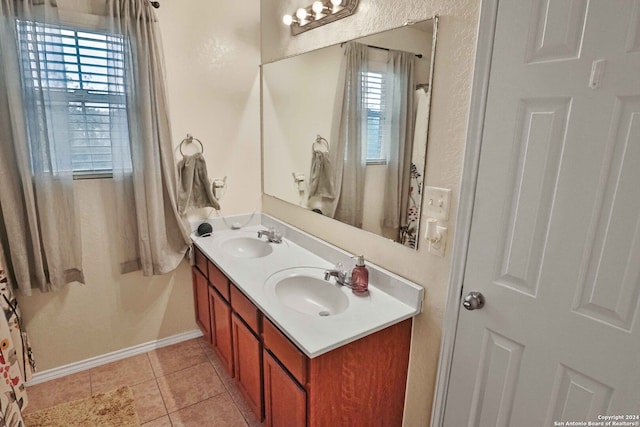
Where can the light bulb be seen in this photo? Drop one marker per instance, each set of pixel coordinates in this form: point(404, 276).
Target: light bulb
point(301, 14)
point(337, 5)
point(317, 7)
point(287, 19)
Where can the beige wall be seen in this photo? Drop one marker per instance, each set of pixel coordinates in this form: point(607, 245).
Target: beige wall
point(212, 58)
point(450, 105)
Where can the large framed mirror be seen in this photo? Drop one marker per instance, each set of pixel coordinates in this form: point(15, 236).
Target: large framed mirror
point(345, 129)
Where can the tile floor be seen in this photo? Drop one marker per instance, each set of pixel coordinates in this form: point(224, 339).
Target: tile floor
point(183, 385)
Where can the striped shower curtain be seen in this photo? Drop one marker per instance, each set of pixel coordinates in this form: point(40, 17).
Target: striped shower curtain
point(16, 361)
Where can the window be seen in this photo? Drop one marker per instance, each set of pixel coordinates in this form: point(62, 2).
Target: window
point(373, 89)
point(373, 93)
point(81, 75)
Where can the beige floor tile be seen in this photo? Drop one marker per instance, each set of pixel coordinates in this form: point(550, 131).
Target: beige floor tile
point(160, 422)
point(218, 411)
point(168, 360)
point(54, 392)
point(189, 386)
point(148, 400)
point(233, 390)
point(203, 342)
point(131, 371)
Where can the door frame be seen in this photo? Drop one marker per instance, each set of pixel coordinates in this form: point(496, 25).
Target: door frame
point(479, 93)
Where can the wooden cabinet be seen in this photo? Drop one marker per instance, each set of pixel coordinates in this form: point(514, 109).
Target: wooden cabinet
point(285, 401)
point(221, 340)
point(247, 351)
point(362, 383)
point(201, 302)
point(358, 384)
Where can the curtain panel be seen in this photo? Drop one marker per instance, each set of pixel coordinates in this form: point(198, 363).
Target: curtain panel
point(38, 209)
point(399, 117)
point(153, 236)
point(349, 155)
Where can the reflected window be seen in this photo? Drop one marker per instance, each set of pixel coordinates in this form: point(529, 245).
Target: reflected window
point(373, 93)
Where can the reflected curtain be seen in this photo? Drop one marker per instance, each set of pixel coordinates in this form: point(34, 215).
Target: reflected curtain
point(349, 155)
point(398, 137)
point(38, 215)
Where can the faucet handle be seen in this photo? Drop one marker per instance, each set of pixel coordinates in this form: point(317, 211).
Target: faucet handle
point(276, 233)
point(345, 275)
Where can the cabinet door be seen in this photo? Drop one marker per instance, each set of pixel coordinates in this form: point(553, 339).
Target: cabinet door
point(201, 302)
point(247, 351)
point(221, 328)
point(285, 402)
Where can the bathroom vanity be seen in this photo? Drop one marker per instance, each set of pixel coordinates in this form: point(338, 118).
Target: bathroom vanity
point(345, 364)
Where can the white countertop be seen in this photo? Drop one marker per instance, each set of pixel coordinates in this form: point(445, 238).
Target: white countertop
point(313, 334)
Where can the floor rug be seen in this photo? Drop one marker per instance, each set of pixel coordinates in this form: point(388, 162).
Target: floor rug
point(114, 408)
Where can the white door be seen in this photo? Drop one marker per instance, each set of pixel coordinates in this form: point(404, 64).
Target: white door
point(555, 234)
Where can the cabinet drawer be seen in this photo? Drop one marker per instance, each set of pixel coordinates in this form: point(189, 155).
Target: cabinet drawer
point(219, 280)
point(200, 260)
point(286, 352)
point(245, 309)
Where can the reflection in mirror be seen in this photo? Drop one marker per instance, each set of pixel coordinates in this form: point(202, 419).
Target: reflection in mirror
point(345, 129)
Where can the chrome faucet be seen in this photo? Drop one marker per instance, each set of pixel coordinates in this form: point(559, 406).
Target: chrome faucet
point(273, 235)
point(343, 277)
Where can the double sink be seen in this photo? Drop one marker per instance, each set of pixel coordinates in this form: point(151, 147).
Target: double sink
point(286, 282)
point(300, 288)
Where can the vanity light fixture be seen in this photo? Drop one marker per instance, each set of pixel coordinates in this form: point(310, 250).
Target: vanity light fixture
point(319, 13)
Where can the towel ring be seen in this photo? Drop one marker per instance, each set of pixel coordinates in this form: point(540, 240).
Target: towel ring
point(189, 139)
point(320, 140)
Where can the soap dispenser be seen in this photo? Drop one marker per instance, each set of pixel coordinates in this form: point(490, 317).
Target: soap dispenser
point(360, 277)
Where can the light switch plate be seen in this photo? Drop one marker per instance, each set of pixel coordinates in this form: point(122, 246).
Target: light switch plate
point(438, 202)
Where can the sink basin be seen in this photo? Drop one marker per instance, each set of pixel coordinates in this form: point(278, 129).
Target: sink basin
point(246, 247)
point(306, 291)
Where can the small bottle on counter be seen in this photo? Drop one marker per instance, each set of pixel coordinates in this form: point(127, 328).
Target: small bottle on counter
point(360, 277)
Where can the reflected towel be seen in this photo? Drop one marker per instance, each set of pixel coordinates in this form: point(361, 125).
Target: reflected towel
point(421, 127)
point(194, 190)
point(321, 176)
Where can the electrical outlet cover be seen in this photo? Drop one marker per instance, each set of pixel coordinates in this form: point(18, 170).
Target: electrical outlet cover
point(438, 201)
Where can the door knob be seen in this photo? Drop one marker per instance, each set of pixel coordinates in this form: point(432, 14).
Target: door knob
point(473, 301)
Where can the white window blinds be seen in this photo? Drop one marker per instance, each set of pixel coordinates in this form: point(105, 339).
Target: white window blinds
point(373, 93)
point(80, 76)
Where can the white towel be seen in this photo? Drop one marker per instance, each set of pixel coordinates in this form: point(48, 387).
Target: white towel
point(421, 127)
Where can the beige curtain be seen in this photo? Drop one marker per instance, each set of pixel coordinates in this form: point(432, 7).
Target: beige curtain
point(152, 234)
point(349, 155)
point(398, 137)
point(38, 216)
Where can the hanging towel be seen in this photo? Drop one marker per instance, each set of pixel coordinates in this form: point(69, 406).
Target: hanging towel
point(194, 190)
point(421, 127)
point(321, 176)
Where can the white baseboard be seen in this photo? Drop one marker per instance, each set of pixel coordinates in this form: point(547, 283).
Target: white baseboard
point(83, 365)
